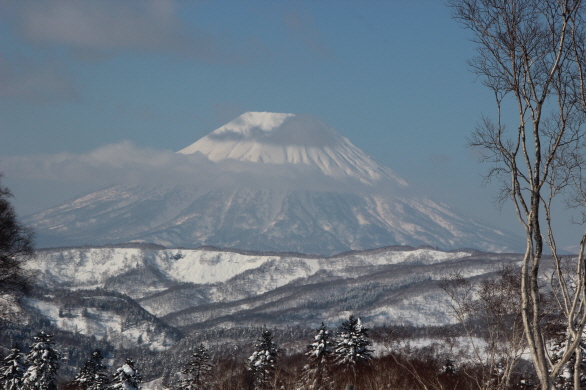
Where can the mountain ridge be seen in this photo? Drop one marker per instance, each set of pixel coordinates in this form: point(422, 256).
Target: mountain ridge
point(190, 289)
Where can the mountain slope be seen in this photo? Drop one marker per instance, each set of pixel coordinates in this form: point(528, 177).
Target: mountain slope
point(201, 288)
point(266, 181)
point(274, 138)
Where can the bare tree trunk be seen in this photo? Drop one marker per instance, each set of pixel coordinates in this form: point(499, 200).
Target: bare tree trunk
point(532, 55)
point(495, 304)
point(577, 368)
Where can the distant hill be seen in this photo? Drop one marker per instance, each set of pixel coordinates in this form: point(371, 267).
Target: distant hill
point(151, 291)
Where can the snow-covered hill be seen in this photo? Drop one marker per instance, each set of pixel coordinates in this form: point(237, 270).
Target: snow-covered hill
point(272, 182)
point(207, 287)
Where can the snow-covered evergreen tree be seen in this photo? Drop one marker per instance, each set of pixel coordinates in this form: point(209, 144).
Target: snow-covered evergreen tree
point(93, 375)
point(198, 371)
point(263, 361)
point(352, 344)
point(126, 377)
point(449, 367)
point(43, 363)
point(316, 372)
point(12, 370)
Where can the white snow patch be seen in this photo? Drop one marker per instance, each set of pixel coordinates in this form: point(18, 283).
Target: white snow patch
point(101, 324)
point(270, 138)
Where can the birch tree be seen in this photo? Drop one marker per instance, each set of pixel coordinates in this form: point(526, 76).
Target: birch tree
point(531, 55)
point(495, 305)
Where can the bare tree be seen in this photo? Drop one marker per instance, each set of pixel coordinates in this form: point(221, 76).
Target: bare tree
point(531, 55)
point(16, 246)
point(490, 313)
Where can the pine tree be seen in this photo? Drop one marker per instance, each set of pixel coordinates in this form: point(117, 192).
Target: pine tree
point(197, 371)
point(43, 363)
point(93, 376)
point(126, 377)
point(16, 248)
point(316, 373)
point(12, 370)
point(352, 344)
point(449, 367)
point(263, 361)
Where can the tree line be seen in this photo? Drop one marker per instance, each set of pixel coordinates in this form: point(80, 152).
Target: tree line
point(348, 351)
point(38, 370)
point(332, 359)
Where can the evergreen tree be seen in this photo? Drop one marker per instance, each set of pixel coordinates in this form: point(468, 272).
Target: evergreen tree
point(92, 376)
point(316, 373)
point(16, 248)
point(263, 361)
point(449, 367)
point(12, 370)
point(352, 344)
point(43, 363)
point(197, 371)
point(126, 377)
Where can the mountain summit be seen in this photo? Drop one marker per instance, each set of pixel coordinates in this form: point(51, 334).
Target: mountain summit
point(276, 138)
point(268, 182)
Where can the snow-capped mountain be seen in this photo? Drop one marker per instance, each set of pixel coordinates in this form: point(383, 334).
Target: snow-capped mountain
point(274, 138)
point(272, 182)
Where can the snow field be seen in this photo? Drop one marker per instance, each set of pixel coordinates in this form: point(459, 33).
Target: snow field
point(101, 324)
point(90, 267)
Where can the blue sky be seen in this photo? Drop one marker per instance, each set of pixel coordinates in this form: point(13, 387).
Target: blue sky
point(159, 74)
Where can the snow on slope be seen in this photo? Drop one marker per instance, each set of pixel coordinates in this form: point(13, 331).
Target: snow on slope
point(207, 288)
point(269, 182)
point(91, 267)
point(313, 222)
point(277, 138)
point(102, 323)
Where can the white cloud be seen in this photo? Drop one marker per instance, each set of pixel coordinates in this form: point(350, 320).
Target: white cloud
point(126, 163)
point(301, 24)
point(111, 164)
point(99, 29)
point(103, 24)
point(23, 79)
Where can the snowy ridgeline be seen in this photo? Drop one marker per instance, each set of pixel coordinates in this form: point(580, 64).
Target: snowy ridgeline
point(147, 296)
